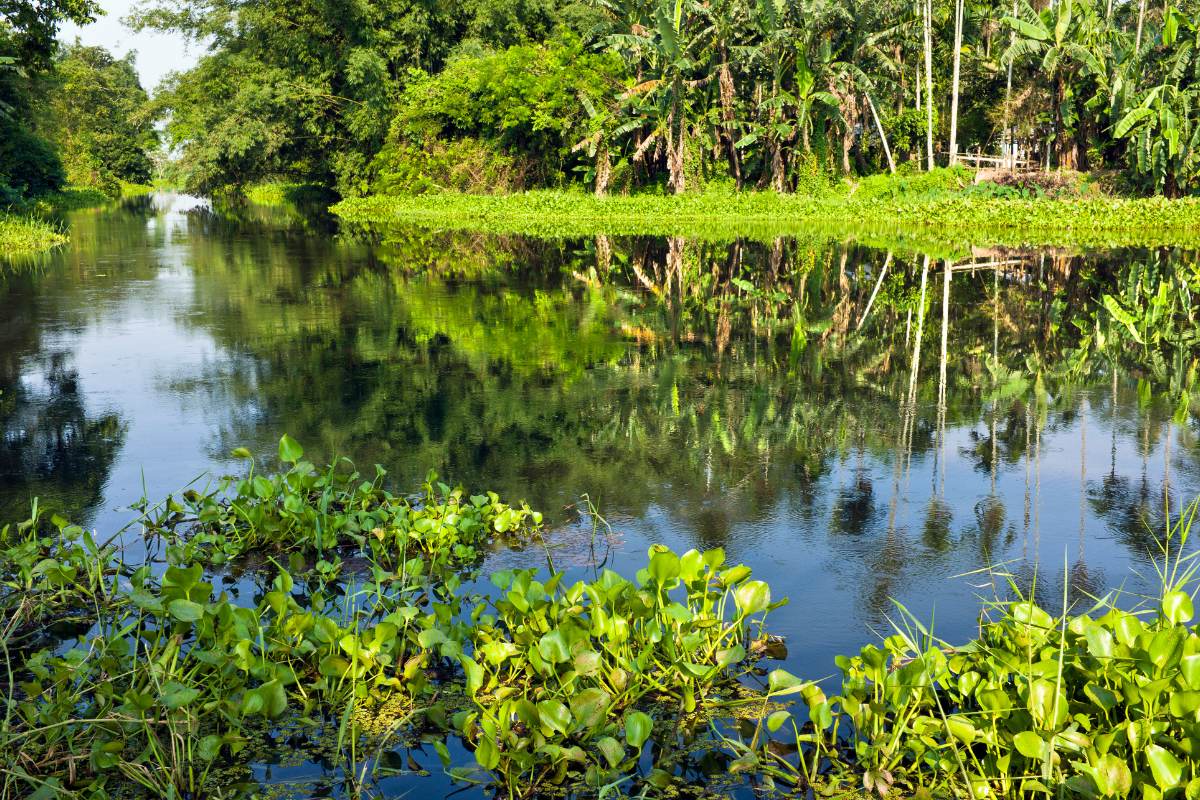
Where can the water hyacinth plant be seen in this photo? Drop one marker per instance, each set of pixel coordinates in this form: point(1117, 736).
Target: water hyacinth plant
point(1104, 704)
point(148, 678)
point(563, 676)
point(335, 509)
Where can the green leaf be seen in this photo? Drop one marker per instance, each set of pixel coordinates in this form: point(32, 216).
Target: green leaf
point(1112, 776)
point(776, 720)
point(664, 566)
point(486, 753)
point(209, 747)
point(1119, 313)
point(752, 597)
point(474, 674)
point(175, 695)
point(290, 450)
point(555, 716)
point(553, 647)
point(590, 706)
point(1030, 745)
point(1177, 607)
point(612, 751)
point(781, 683)
point(1166, 768)
point(638, 727)
point(185, 610)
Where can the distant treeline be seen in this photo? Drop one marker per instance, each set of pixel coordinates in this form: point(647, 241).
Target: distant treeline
point(491, 95)
point(68, 114)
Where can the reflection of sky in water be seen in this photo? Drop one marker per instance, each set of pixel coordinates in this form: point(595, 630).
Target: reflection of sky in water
point(147, 308)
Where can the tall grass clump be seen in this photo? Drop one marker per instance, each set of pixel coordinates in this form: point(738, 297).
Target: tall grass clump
point(21, 236)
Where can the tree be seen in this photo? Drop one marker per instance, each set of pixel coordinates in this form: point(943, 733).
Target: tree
point(96, 114)
point(1060, 39)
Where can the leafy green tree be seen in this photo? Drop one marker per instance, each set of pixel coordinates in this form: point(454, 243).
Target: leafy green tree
point(96, 114)
point(29, 166)
point(1161, 122)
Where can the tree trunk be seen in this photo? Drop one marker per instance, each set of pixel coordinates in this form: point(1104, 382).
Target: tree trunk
point(603, 169)
point(1006, 134)
point(1137, 47)
point(958, 32)
point(777, 165)
point(847, 137)
point(1063, 144)
point(882, 136)
point(728, 93)
point(675, 154)
point(929, 79)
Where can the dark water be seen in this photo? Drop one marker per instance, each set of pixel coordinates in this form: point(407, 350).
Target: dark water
point(701, 394)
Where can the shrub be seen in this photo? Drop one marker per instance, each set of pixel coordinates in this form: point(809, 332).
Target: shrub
point(462, 165)
point(28, 164)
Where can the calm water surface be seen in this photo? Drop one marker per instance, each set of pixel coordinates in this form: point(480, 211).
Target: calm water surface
point(753, 396)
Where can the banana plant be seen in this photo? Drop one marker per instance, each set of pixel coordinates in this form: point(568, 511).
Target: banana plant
point(1160, 123)
point(1063, 40)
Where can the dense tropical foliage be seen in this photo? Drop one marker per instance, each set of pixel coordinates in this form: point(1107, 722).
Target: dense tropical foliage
point(615, 94)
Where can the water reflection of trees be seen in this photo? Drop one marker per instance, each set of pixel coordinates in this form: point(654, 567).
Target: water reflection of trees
point(709, 380)
point(51, 446)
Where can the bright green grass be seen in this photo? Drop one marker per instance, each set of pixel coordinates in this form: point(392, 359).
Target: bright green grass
point(939, 219)
point(27, 236)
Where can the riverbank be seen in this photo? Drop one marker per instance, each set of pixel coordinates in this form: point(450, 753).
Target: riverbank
point(964, 216)
point(25, 232)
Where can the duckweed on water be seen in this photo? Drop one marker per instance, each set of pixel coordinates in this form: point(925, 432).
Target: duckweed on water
point(161, 684)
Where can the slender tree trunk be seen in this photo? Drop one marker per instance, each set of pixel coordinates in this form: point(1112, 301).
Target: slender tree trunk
point(675, 153)
point(958, 34)
point(1063, 143)
point(882, 136)
point(728, 93)
point(1137, 47)
point(603, 169)
point(1006, 134)
point(928, 6)
point(850, 119)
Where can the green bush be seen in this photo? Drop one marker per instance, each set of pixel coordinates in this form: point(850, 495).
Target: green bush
point(460, 165)
point(28, 164)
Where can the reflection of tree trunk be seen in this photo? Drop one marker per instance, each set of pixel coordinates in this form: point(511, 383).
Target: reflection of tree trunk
point(949, 268)
point(916, 356)
point(887, 262)
point(603, 253)
point(675, 252)
point(776, 256)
